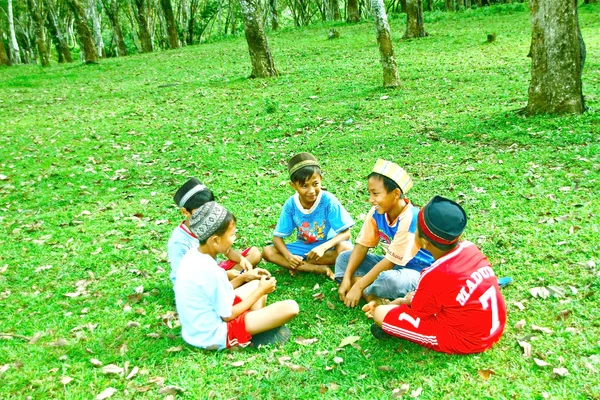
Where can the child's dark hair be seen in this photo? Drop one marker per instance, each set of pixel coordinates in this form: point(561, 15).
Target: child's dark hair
point(439, 246)
point(199, 199)
point(305, 173)
point(229, 219)
point(388, 184)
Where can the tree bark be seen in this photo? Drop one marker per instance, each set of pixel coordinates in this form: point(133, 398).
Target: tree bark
point(88, 48)
point(142, 20)
point(40, 42)
point(414, 20)
point(4, 60)
point(258, 46)
point(384, 40)
point(112, 11)
point(13, 45)
point(335, 10)
point(352, 13)
point(274, 15)
point(171, 27)
point(449, 5)
point(92, 14)
point(60, 41)
point(557, 55)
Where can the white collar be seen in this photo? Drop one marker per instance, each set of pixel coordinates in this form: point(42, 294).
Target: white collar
point(314, 206)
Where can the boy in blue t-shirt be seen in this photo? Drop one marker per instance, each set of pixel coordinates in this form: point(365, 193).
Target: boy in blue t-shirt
point(322, 223)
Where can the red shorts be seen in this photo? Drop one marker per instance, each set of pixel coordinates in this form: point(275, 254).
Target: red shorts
point(228, 264)
point(237, 335)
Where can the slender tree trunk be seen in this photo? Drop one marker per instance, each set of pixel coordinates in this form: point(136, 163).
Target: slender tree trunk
point(142, 21)
point(429, 5)
point(449, 5)
point(467, 4)
point(92, 14)
point(414, 20)
point(171, 27)
point(36, 16)
point(384, 40)
point(112, 11)
point(60, 41)
point(4, 60)
point(258, 46)
point(13, 45)
point(352, 14)
point(557, 55)
point(334, 5)
point(88, 48)
point(274, 15)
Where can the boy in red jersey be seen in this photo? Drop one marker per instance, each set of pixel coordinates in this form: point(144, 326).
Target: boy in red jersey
point(457, 307)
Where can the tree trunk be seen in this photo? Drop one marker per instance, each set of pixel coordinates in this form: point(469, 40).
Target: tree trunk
point(36, 16)
point(258, 46)
point(171, 27)
point(335, 10)
point(142, 21)
point(13, 45)
point(274, 15)
point(88, 48)
point(60, 41)
point(449, 5)
point(112, 11)
point(92, 14)
point(352, 14)
point(384, 40)
point(467, 4)
point(557, 57)
point(414, 20)
point(4, 60)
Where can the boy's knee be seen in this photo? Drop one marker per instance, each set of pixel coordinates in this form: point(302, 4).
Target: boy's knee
point(379, 315)
point(268, 252)
point(341, 262)
point(344, 247)
point(292, 308)
point(255, 255)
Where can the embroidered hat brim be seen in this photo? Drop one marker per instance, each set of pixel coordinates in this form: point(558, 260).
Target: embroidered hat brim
point(301, 160)
point(207, 219)
point(395, 173)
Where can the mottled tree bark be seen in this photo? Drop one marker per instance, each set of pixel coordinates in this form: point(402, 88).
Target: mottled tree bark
point(84, 33)
point(13, 45)
point(40, 42)
point(171, 27)
point(112, 11)
point(258, 46)
point(449, 5)
point(92, 14)
point(414, 20)
point(384, 40)
point(352, 13)
point(142, 20)
point(557, 57)
point(334, 5)
point(56, 31)
point(274, 14)
point(4, 60)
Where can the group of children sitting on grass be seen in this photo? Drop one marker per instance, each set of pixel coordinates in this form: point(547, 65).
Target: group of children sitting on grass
point(444, 294)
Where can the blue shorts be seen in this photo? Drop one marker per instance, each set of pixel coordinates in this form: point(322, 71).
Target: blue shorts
point(391, 284)
point(302, 249)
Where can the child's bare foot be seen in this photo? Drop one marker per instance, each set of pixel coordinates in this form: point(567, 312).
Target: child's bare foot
point(329, 273)
point(292, 272)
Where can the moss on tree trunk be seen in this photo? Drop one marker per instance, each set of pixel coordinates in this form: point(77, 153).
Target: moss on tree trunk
point(258, 46)
point(83, 32)
point(384, 40)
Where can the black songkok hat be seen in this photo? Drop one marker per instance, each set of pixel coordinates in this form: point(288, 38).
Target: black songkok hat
point(207, 219)
point(442, 220)
point(187, 191)
point(301, 160)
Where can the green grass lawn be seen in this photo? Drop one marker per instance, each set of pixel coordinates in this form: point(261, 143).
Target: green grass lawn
point(90, 157)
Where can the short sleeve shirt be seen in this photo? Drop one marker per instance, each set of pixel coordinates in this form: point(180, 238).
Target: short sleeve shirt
point(325, 219)
point(204, 296)
point(180, 242)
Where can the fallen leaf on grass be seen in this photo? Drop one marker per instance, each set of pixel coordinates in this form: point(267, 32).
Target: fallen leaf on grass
point(4, 368)
point(106, 393)
point(283, 359)
point(416, 393)
point(296, 368)
point(65, 380)
point(153, 335)
point(60, 342)
point(134, 298)
point(348, 340)
point(238, 363)
point(527, 350)
point(520, 325)
point(316, 287)
point(541, 329)
point(485, 373)
point(330, 305)
point(519, 305)
point(541, 363)
point(564, 314)
point(36, 336)
point(556, 292)
point(250, 372)
point(133, 373)
point(305, 342)
point(133, 324)
point(174, 349)
point(112, 369)
point(559, 372)
point(317, 316)
point(401, 391)
point(159, 380)
point(173, 390)
point(385, 368)
point(318, 296)
point(96, 363)
point(539, 292)
point(338, 360)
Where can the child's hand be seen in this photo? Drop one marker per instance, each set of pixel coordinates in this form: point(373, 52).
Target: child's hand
point(407, 299)
point(295, 261)
point(256, 273)
point(369, 309)
point(353, 297)
point(267, 284)
point(316, 253)
point(262, 272)
point(343, 289)
point(245, 264)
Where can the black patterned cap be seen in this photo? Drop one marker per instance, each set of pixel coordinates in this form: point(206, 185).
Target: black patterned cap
point(187, 191)
point(207, 220)
point(442, 220)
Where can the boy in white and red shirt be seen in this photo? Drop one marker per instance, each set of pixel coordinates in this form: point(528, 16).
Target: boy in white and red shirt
point(191, 196)
point(457, 307)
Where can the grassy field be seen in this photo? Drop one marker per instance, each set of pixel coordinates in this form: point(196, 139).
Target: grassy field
point(91, 155)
